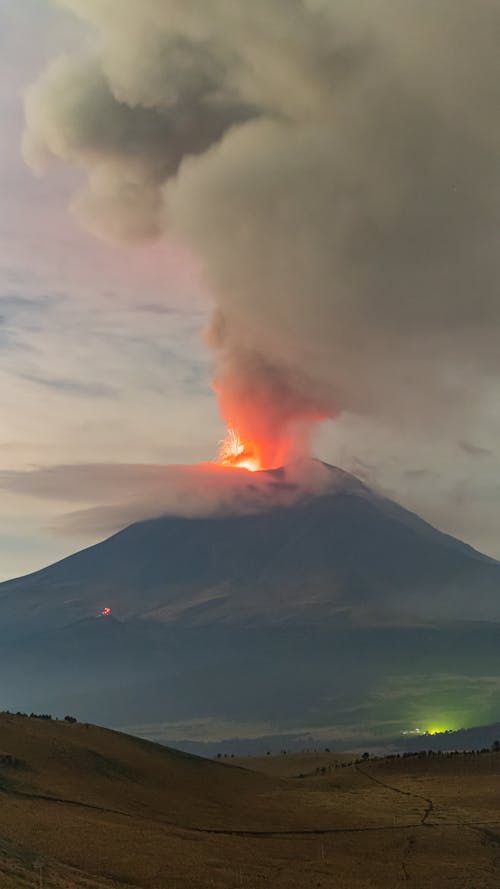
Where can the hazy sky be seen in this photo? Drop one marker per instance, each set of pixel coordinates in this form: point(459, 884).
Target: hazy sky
point(102, 359)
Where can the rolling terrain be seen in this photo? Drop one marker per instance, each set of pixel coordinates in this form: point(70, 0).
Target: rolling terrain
point(87, 808)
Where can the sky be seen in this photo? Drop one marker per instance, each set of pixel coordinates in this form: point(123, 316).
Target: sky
point(103, 354)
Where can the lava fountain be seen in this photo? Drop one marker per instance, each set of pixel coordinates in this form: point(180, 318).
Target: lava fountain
point(235, 452)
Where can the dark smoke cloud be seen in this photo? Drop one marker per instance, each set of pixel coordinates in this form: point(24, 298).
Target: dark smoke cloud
point(335, 167)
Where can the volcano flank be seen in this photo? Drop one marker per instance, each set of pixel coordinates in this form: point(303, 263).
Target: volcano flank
point(280, 612)
point(347, 555)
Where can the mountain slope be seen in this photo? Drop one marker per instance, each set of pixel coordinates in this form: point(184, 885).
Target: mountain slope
point(337, 609)
point(347, 555)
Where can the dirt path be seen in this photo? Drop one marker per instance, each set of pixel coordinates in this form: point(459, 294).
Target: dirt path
point(480, 827)
point(429, 808)
point(243, 832)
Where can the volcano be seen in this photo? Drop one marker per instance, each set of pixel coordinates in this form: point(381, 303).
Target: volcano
point(170, 616)
point(344, 556)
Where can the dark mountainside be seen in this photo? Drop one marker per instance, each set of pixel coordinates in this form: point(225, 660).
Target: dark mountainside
point(345, 557)
point(296, 615)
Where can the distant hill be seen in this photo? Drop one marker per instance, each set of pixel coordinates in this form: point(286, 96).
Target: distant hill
point(476, 738)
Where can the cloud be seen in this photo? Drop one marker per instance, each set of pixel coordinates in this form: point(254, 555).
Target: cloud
point(474, 450)
point(115, 495)
point(72, 387)
point(334, 168)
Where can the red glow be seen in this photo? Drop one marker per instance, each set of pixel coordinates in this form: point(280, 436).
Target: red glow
point(242, 455)
point(105, 612)
point(252, 454)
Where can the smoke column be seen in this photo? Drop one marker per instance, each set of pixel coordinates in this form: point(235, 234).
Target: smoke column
point(334, 166)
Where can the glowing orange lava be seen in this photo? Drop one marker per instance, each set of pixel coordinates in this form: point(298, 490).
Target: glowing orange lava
point(234, 452)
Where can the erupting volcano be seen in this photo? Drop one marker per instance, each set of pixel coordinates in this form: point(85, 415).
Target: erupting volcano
point(239, 454)
point(313, 169)
point(255, 455)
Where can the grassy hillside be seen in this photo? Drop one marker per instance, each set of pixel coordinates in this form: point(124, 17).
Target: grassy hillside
point(87, 808)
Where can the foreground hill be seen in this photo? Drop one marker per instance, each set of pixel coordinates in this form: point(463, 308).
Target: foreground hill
point(84, 807)
point(345, 557)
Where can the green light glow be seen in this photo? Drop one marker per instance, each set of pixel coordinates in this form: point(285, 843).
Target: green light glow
point(437, 729)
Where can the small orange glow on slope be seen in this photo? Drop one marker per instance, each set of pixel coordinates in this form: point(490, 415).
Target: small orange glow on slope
point(234, 452)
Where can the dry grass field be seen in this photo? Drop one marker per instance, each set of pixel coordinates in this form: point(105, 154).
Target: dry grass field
point(88, 808)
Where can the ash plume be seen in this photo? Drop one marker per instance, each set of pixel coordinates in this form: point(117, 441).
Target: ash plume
point(107, 497)
point(334, 166)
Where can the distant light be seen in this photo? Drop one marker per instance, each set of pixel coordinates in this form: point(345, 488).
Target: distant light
point(436, 730)
point(105, 612)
